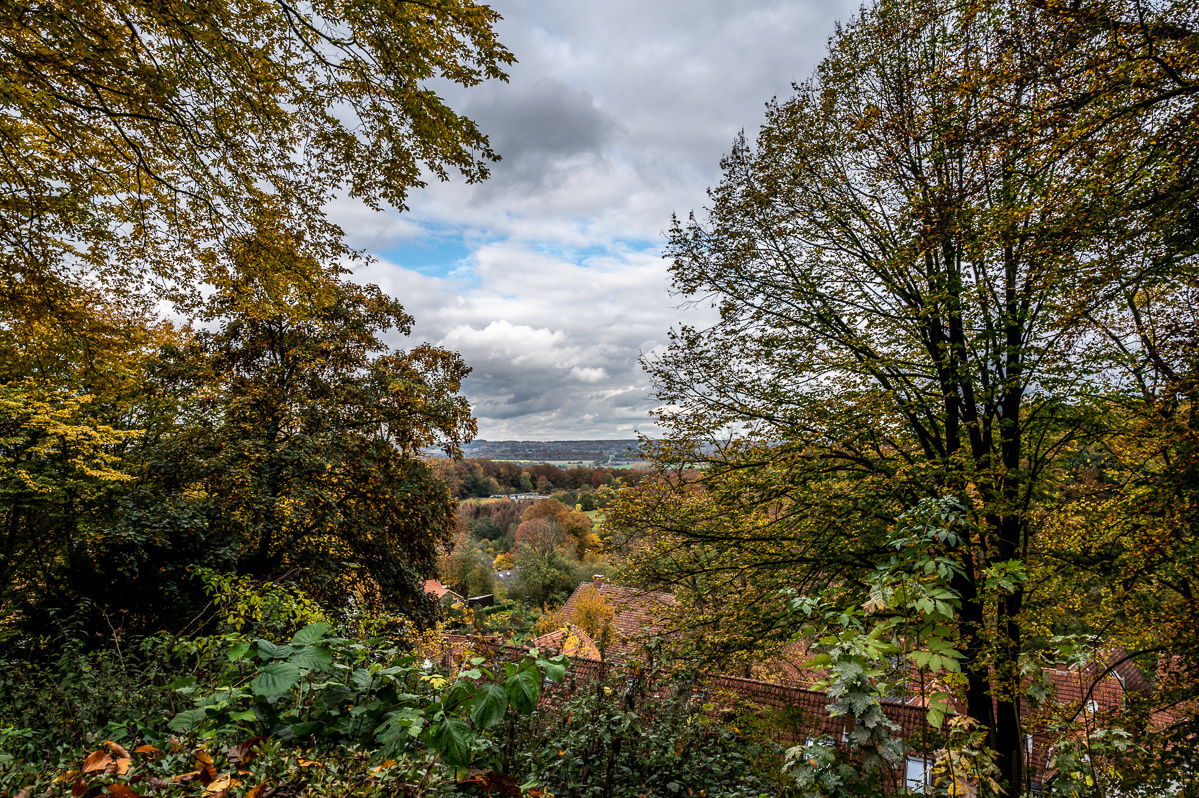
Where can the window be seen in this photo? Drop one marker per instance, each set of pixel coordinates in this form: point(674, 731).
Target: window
point(916, 776)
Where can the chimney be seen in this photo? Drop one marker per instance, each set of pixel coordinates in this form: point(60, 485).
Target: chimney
point(597, 581)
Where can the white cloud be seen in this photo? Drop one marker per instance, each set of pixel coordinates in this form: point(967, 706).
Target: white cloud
point(615, 116)
point(591, 375)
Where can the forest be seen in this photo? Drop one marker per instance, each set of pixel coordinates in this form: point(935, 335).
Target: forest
point(931, 474)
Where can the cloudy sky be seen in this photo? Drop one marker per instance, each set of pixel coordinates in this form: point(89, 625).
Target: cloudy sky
point(548, 278)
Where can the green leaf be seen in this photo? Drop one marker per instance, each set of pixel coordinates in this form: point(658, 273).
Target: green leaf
point(239, 650)
point(268, 650)
point(275, 679)
point(313, 658)
point(454, 740)
point(489, 706)
point(522, 688)
point(310, 634)
point(187, 720)
point(184, 685)
point(306, 728)
point(335, 695)
point(555, 669)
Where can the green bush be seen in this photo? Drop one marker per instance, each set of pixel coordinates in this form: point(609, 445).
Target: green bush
point(611, 738)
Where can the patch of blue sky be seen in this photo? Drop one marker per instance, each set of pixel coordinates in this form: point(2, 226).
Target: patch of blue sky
point(445, 255)
point(618, 246)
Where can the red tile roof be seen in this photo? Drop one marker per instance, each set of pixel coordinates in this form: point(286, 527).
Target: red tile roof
point(638, 615)
point(437, 590)
point(571, 641)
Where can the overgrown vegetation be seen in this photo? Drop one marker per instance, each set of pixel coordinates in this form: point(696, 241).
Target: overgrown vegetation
point(273, 699)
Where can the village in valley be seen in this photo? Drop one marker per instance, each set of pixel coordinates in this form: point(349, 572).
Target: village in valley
point(644, 638)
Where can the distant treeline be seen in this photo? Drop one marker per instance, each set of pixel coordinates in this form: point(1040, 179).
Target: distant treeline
point(484, 477)
point(551, 451)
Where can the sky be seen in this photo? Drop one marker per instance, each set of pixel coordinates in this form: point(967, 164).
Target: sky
point(549, 278)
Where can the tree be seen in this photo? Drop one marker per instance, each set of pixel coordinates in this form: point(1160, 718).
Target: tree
point(292, 446)
point(575, 526)
point(139, 137)
point(928, 273)
point(56, 465)
point(71, 408)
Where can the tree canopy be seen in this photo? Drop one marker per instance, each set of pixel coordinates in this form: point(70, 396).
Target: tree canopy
point(943, 269)
point(290, 444)
point(138, 137)
point(184, 153)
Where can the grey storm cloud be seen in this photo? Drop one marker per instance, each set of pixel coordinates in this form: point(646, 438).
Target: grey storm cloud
point(547, 119)
point(540, 130)
point(615, 117)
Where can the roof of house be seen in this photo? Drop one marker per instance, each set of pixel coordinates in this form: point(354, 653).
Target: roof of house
point(571, 641)
point(638, 615)
point(437, 590)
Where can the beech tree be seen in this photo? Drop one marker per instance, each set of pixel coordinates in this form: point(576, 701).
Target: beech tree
point(943, 261)
point(137, 136)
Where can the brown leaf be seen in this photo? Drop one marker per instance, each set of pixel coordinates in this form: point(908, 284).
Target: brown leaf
point(256, 791)
point(97, 761)
point(121, 791)
point(184, 778)
point(148, 751)
point(222, 785)
point(117, 749)
point(244, 753)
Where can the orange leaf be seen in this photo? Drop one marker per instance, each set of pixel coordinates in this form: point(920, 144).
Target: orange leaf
point(117, 749)
point(121, 791)
point(97, 761)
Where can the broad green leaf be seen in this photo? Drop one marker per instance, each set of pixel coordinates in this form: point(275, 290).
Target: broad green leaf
point(268, 650)
point(239, 650)
point(555, 669)
point(522, 688)
point(187, 720)
point(454, 740)
point(489, 706)
point(275, 679)
point(395, 731)
point(184, 685)
point(313, 658)
point(335, 695)
point(306, 728)
point(310, 634)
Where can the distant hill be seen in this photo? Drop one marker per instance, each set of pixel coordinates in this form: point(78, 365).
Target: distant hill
point(552, 451)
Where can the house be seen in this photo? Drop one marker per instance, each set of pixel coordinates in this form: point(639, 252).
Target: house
point(784, 693)
point(571, 641)
point(638, 616)
point(438, 591)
